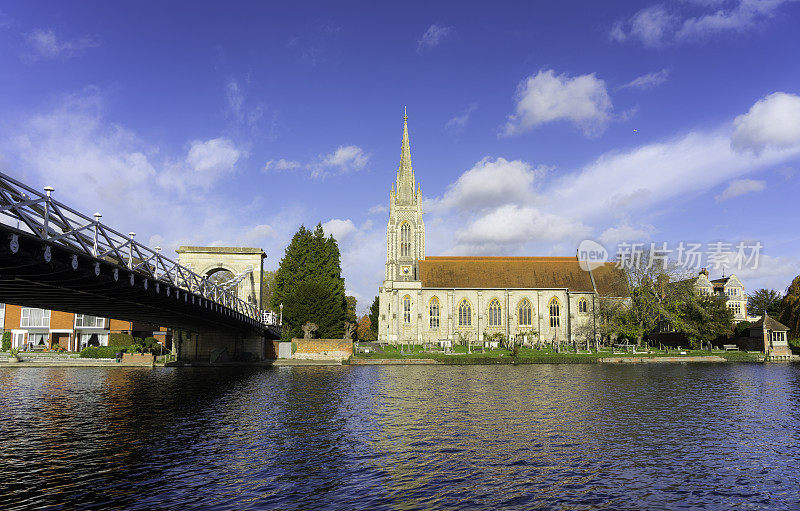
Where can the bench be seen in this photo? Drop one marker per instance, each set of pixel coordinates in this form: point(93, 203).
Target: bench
point(730, 347)
point(363, 349)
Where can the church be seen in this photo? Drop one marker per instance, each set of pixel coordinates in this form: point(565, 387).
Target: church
point(439, 299)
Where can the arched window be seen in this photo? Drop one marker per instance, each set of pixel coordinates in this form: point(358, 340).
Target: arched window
point(434, 312)
point(464, 313)
point(406, 309)
point(495, 313)
point(583, 305)
point(405, 239)
point(555, 313)
point(525, 313)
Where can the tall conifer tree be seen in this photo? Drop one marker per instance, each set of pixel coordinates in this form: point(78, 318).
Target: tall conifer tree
point(309, 284)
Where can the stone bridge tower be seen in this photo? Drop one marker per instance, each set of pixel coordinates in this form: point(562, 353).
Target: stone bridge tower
point(223, 264)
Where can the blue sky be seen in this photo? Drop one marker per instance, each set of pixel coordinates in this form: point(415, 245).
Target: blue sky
point(533, 125)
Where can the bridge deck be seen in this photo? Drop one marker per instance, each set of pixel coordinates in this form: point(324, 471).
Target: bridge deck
point(101, 288)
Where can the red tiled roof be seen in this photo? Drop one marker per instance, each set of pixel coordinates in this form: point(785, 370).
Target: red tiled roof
point(513, 273)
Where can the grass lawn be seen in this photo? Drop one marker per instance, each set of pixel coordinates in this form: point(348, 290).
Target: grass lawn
point(533, 356)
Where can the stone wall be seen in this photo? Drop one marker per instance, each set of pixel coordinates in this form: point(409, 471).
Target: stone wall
point(323, 349)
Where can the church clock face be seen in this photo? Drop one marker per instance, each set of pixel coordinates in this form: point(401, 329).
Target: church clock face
point(405, 270)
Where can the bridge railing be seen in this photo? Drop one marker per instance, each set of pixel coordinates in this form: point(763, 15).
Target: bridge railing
point(39, 214)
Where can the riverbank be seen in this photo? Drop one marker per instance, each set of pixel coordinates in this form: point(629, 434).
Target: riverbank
point(392, 356)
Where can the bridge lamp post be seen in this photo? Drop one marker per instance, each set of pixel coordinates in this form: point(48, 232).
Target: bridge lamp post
point(280, 323)
point(130, 250)
point(158, 256)
point(97, 217)
point(48, 190)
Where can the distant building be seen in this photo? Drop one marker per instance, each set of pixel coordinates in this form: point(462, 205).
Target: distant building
point(773, 336)
point(42, 328)
point(434, 299)
point(729, 288)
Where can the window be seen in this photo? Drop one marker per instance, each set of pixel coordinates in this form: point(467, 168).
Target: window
point(555, 315)
point(583, 305)
point(736, 307)
point(35, 318)
point(405, 239)
point(495, 313)
point(86, 321)
point(434, 312)
point(464, 313)
point(406, 309)
point(525, 313)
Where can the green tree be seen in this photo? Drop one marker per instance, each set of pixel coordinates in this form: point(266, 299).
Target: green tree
point(790, 308)
point(373, 317)
point(704, 319)
point(762, 300)
point(351, 315)
point(267, 288)
point(311, 258)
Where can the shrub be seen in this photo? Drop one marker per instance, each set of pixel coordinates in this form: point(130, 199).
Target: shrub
point(101, 352)
point(741, 328)
point(120, 339)
point(6, 341)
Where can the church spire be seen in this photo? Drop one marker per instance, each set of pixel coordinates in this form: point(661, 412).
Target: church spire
point(405, 173)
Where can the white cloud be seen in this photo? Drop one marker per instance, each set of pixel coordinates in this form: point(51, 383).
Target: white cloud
point(501, 206)
point(377, 209)
point(739, 187)
point(512, 224)
point(259, 233)
point(647, 81)
point(45, 44)
point(235, 97)
point(339, 229)
point(655, 25)
point(282, 165)
point(344, 160)
point(744, 16)
point(626, 232)
point(773, 121)
point(548, 97)
point(97, 165)
point(651, 24)
point(489, 183)
point(433, 36)
point(459, 122)
point(216, 156)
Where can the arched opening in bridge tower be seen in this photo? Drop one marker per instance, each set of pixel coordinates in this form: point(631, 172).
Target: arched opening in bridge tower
point(223, 278)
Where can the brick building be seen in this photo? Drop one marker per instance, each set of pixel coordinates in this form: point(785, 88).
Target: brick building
point(41, 328)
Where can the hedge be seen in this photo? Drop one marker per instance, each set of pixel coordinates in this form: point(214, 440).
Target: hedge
point(100, 352)
point(120, 340)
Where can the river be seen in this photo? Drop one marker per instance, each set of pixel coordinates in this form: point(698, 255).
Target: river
point(649, 436)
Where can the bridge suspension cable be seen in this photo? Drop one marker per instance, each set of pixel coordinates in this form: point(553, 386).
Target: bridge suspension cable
point(37, 213)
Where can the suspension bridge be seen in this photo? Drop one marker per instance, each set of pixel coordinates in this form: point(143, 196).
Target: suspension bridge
point(55, 257)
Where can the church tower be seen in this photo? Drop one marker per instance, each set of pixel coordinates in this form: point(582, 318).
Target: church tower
point(400, 295)
point(405, 233)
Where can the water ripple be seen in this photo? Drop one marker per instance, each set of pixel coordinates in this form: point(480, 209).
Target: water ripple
point(478, 437)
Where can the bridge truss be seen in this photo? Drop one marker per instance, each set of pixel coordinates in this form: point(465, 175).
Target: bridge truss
point(27, 215)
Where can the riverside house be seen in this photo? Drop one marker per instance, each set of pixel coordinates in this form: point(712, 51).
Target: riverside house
point(39, 329)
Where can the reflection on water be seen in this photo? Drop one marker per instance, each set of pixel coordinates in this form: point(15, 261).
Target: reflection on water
point(524, 437)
